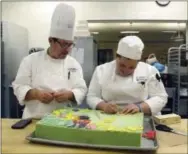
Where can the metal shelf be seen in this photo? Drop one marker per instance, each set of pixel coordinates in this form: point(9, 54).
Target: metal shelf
point(178, 67)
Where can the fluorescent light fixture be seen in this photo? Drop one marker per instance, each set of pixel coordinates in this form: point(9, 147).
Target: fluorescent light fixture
point(95, 32)
point(177, 37)
point(129, 32)
point(169, 31)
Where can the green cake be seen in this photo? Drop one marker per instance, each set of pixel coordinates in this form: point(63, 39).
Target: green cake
point(91, 127)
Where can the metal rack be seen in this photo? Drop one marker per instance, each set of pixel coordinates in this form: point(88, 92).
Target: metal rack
point(178, 68)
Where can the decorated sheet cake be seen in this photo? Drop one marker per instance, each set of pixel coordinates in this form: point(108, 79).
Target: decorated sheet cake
point(92, 127)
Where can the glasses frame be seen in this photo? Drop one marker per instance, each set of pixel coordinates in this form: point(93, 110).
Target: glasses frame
point(65, 45)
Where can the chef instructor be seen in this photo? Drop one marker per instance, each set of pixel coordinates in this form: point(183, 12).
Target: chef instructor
point(51, 79)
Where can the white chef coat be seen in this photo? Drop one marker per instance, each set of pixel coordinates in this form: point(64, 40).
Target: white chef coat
point(40, 71)
point(142, 86)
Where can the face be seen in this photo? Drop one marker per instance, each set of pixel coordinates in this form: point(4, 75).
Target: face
point(125, 66)
point(59, 48)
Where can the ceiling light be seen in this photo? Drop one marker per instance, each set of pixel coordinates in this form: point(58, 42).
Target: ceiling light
point(95, 33)
point(169, 31)
point(177, 36)
point(129, 32)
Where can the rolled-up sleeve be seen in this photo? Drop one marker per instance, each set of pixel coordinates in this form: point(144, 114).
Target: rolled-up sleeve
point(79, 86)
point(157, 93)
point(22, 83)
point(94, 93)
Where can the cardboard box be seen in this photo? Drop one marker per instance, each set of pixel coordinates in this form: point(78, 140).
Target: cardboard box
point(167, 119)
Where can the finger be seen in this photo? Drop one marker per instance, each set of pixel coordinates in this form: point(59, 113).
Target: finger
point(58, 99)
point(128, 110)
point(134, 111)
point(45, 101)
point(124, 110)
point(48, 97)
point(51, 98)
point(52, 93)
point(47, 94)
point(61, 98)
point(42, 97)
point(112, 108)
point(57, 94)
point(108, 109)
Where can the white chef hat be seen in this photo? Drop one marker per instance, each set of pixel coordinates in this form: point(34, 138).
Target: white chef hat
point(130, 47)
point(63, 22)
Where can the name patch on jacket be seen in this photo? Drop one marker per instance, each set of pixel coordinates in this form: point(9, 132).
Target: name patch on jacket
point(72, 69)
point(141, 79)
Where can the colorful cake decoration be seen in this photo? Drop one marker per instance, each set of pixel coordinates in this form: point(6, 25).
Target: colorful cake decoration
point(85, 117)
point(75, 109)
point(91, 126)
point(77, 118)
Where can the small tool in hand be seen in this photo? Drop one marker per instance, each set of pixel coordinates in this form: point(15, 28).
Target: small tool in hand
point(168, 129)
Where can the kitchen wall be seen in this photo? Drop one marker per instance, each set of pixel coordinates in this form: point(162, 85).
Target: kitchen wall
point(160, 49)
point(35, 16)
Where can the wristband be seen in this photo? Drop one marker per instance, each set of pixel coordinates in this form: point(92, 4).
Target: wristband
point(138, 105)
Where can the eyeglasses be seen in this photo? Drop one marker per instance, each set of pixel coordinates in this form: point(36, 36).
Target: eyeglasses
point(66, 45)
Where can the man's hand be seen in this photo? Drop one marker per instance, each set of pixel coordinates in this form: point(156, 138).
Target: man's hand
point(130, 108)
point(41, 95)
point(63, 96)
point(44, 96)
point(108, 107)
